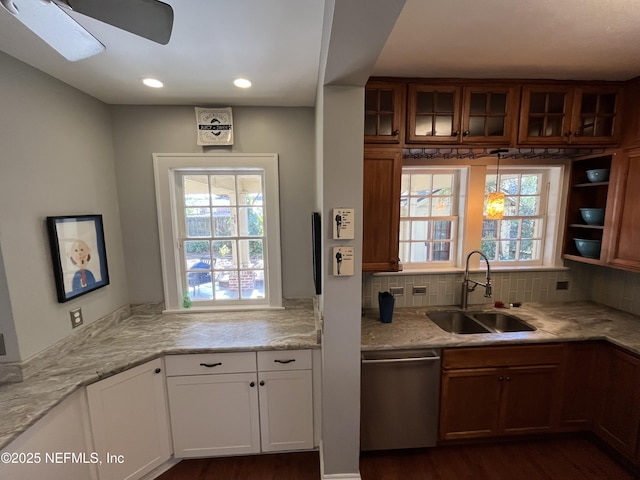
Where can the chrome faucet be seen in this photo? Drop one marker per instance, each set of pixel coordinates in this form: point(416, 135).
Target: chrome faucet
point(465, 283)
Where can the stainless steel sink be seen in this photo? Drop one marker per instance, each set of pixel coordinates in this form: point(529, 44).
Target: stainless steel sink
point(460, 322)
point(456, 322)
point(502, 322)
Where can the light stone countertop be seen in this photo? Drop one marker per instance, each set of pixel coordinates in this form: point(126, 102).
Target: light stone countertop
point(104, 350)
point(410, 327)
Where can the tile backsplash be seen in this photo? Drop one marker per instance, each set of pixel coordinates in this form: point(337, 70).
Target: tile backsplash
point(615, 288)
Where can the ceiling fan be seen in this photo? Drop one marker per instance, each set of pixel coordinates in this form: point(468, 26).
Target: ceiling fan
point(150, 19)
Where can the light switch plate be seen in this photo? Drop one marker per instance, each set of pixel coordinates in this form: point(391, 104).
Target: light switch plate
point(76, 317)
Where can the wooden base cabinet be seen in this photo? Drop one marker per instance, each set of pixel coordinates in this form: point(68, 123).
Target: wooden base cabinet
point(618, 416)
point(129, 421)
point(227, 404)
point(490, 392)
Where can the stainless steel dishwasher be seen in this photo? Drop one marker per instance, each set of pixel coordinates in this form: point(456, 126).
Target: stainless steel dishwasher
point(400, 396)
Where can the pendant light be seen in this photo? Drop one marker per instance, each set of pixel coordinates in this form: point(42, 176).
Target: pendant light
point(495, 200)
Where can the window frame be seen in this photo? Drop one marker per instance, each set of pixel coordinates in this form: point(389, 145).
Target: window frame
point(167, 169)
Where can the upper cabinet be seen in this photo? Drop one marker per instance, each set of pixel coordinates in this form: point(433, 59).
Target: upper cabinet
point(486, 113)
point(563, 114)
point(454, 114)
point(383, 112)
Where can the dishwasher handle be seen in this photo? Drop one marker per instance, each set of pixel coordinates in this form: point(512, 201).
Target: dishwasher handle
point(403, 360)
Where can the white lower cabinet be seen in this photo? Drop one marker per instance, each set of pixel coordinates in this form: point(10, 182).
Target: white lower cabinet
point(129, 420)
point(227, 404)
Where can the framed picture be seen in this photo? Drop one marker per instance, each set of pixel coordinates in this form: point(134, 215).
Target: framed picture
point(79, 255)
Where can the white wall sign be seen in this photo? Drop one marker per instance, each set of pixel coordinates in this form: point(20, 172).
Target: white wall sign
point(343, 227)
point(343, 261)
point(215, 126)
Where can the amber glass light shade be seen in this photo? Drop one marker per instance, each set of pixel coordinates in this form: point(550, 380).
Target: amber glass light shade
point(495, 205)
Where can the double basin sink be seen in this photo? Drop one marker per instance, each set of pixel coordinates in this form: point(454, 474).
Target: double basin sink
point(463, 322)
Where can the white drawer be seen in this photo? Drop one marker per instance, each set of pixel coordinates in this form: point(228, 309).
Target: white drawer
point(284, 360)
point(210, 363)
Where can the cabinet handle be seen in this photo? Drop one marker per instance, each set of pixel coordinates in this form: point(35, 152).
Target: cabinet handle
point(456, 133)
point(466, 133)
point(285, 361)
point(262, 383)
point(396, 132)
point(211, 365)
point(252, 384)
point(158, 370)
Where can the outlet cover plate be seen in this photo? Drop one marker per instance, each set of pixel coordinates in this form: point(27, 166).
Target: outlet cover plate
point(76, 317)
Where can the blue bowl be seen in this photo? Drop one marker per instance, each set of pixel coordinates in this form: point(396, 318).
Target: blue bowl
point(593, 216)
point(588, 248)
point(598, 175)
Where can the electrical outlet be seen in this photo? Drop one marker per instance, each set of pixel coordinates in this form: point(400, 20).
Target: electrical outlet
point(396, 291)
point(562, 285)
point(419, 290)
point(76, 317)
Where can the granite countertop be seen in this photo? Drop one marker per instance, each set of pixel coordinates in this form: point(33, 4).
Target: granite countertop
point(576, 321)
point(100, 351)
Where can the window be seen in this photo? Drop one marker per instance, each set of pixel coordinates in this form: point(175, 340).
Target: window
point(219, 224)
point(428, 216)
point(518, 237)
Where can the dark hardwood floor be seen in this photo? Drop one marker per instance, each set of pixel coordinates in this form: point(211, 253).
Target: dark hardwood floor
point(556, 459)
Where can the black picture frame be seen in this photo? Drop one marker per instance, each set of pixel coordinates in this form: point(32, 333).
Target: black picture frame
point(316, 241)
point(78, 253)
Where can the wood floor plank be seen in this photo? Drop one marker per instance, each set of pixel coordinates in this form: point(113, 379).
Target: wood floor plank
point(552, 459)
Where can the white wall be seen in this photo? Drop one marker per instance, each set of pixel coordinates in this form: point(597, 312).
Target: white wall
point(56, 158)
point(140, 131)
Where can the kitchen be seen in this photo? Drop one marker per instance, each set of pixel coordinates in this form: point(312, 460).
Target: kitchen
point(104, 158)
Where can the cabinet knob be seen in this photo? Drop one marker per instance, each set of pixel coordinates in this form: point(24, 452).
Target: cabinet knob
point(567, 134)
point(577, 134)
point(508, 379)
point(396, 132)
point(456, 133)
point(252, 384)
point(262, 383)
point(158, 370)
point(500, 378)
point(466, 133)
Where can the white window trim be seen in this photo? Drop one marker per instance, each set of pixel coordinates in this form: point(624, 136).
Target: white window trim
point(165, 167)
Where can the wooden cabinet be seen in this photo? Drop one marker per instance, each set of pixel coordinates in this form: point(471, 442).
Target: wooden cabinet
point(384, 112)
point(456, 114)
point(381, 209)
point(561, 114)
point(579, 382)
point(623, 227)
point(129, 421)
point(223, 404)
point(618, 416)
point(489, 392)
point(586, 194)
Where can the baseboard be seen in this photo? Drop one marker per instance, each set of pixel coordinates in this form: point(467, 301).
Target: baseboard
point(335, 476)
point(160, 469)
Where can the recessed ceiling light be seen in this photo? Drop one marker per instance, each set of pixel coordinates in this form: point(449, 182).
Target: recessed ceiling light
point(242, 83)
point(152, 82)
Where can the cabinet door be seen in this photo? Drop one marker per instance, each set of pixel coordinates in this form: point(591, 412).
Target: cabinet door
point(381, 210)
point(596, 115)
point(529, 402)
point(383, 112)
point(578, 386)
point(214, 414)
point(545, 115)
point(489, 114)
point(470, 403)
point(624, 229)
point(618, 418)
point(433, 114)
point(286, 410)
point(129, 420)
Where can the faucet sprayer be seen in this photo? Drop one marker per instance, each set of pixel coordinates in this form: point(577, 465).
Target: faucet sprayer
point(466, 281)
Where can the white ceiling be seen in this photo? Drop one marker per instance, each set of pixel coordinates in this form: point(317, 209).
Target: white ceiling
point(277, 45)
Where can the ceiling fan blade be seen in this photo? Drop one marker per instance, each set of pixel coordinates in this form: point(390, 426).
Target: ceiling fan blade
point(55, 27)
point(150, 19)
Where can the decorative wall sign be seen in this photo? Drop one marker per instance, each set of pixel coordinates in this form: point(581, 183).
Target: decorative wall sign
point(79, 255)
point(343, 228)
point(215, 126)
point(343, 261)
